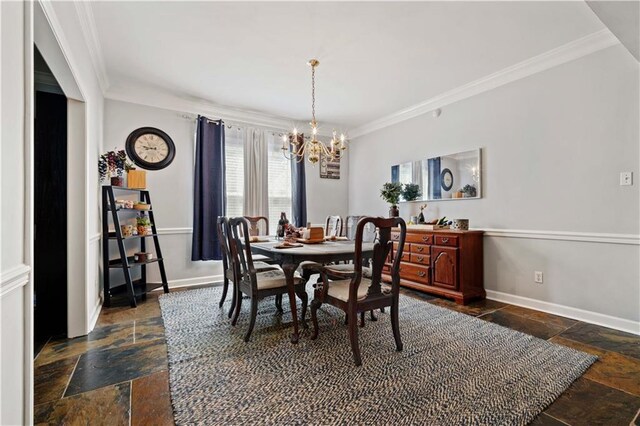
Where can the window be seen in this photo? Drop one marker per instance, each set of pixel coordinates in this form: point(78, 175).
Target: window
point(234, 152)
point(279, 170)
point(278, 182)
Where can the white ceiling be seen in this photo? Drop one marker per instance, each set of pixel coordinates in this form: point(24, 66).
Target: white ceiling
point(376, 58)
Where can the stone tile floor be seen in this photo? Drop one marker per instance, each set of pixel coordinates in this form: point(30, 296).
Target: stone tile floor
point(118, 374)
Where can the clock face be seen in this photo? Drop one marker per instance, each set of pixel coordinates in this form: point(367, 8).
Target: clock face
point(150, 148)
point(447, 179)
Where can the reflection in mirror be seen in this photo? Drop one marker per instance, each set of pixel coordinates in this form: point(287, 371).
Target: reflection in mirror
point(448, 177)
point(411, 172)
point(454, 176)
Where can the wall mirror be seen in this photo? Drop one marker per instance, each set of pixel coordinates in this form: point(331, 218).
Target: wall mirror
point(448, 177)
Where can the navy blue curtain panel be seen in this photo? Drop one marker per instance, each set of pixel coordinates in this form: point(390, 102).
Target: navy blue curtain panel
point(209, 189)
point(298, 191)
point(435, 186)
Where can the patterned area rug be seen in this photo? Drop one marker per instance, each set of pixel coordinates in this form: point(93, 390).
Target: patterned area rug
point(454, 370)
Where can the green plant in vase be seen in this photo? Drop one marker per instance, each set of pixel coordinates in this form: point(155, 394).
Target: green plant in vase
point(143, 224)
point(391, 192)
point(411, 192)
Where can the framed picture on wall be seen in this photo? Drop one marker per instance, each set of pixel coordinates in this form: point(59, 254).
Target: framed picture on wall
point(330, 169)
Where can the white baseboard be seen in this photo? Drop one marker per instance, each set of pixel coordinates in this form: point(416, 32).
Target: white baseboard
point(567, 311)
point(195, 281)
point(93, 319)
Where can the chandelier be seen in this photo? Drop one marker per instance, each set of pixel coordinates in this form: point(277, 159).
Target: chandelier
point(295, 146)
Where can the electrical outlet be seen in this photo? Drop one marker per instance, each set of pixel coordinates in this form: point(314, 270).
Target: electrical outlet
point(626, 178)
point(537, 277)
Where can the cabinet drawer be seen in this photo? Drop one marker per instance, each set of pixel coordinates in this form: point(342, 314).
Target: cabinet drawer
point(422, 259)
point(420, 238)
point(415, 273)
point(407, 247)
point(419, 248)
point(446, 240)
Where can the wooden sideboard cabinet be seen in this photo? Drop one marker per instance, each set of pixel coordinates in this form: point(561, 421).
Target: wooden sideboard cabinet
point(446, 263)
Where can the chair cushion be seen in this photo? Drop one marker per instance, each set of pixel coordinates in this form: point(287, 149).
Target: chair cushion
point(366, 272)
point(340, 289)
point(261, 258)
point(274, 279)
point(262, 266)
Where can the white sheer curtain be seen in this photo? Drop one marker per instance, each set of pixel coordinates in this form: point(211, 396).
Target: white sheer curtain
point(256, 178)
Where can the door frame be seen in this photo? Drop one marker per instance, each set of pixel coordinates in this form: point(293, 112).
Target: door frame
point(43, 29)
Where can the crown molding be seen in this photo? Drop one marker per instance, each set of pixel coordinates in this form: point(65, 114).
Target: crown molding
point(88, 26)
point(231, 115)
point(552, 58)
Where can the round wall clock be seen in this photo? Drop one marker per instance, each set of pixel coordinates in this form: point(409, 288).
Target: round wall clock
point(446, 177)
point(150, 148)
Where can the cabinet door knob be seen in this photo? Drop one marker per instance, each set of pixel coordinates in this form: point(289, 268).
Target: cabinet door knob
point(422, 274)
point(419, 248)
point(425, 238)
point(445, 240)
point(396, 237)
point(420, 258)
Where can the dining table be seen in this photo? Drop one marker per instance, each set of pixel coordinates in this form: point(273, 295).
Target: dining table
point(290, 259)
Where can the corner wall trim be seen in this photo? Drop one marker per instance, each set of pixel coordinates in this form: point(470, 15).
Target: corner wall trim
point(568, 52)
point(88, 26)
point(14, 278)
point(589, 237)
point(566, 311)
point(93, 319)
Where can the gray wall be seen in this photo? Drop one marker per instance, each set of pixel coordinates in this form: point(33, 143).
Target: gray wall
point(553, 146)
point(172, 188)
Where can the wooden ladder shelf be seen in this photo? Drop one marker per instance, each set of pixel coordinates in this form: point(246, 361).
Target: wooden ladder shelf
point(138, 288)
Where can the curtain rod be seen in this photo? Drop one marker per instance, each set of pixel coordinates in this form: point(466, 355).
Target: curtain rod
point(238, 127)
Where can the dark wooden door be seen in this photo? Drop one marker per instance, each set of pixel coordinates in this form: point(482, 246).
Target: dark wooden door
point(50, 217)
point(445, 266)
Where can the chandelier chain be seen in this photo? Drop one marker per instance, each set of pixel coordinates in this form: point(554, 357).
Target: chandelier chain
point(313, 94)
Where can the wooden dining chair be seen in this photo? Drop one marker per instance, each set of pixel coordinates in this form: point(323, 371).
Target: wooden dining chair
point(257, 285)
point(333, 226)
point(254, 225)
point(355, 293)
point(229, 274)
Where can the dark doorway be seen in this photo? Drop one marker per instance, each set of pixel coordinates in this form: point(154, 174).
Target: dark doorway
point(50, 207)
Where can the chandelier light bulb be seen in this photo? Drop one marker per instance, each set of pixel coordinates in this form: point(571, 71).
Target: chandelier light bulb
point(313, 148)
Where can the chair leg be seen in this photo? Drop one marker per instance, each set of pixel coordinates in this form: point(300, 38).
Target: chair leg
point(234, 300)
point(373, 316)
point(362, 319)
point(395, 325)
point(225, 287)
point(254, 314)
point(346, 319)
point(279, 303)
point(315, 305)
point(353, 338)
point(238, 307)
point(382, 310)
point(304, 297)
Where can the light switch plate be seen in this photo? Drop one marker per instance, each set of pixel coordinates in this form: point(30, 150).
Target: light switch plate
point(626, 178)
